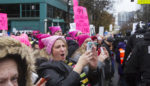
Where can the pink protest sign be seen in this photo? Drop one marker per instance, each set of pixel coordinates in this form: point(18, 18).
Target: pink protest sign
point(3, 21)
point(75, 2)
point(81, 19)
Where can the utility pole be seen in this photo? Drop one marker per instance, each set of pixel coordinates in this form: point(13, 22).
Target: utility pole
point(68, 13)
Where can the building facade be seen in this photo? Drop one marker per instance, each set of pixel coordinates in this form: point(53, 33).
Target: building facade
point(124, 17)
point(35, 14)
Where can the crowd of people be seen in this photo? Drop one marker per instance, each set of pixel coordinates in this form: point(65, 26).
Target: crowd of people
point(75, 59)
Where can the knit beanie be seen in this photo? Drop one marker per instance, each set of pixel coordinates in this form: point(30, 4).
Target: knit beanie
point(35, 32)
point(40, 37)
point(110, 39)
point(49, 42)
point(93, 38)
point(82, 38)
point(23, 38)
point(73, 34)
point(54, 29)
point(69, 38)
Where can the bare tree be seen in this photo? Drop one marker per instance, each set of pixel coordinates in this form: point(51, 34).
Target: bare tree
point(97, 11)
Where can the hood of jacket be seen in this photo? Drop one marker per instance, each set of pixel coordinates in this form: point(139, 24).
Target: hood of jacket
point(10, 46)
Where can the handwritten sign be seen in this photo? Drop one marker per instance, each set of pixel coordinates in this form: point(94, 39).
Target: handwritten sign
point(81, 19)
point(3, 21)
point(75, 2)
point(101, 30)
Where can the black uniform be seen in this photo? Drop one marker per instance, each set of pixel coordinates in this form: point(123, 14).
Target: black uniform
point(133, 40)
point(137, 66)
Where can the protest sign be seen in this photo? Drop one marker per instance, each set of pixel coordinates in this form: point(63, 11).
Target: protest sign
point(3, 21)
point(101, 30)
point(81, 19)
point(75, 2)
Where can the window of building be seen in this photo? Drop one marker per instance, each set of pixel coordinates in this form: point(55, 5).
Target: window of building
point(50, 11)
point(30, 10)
point(59, 13)
point(12, 10)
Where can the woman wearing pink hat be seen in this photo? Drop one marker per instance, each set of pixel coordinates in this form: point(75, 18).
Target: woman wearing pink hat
point(60, 72)
point(56, 30)
point(82, 41)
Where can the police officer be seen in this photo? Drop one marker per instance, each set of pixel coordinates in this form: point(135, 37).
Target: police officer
point(137, 67)
point(132, 41)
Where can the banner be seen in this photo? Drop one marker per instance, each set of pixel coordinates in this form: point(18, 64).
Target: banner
point(75, 2)
point(81, 19)
point(3, 21)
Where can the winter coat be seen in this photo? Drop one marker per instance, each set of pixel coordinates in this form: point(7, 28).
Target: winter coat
point(121, 45)
point(22, 55)
point(59, 73)
point(108, 68)
point(138, 63)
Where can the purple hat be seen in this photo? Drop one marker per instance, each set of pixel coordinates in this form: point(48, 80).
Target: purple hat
point(73, 34)
point(54, 29)
point(49, 42)
point(82, 38)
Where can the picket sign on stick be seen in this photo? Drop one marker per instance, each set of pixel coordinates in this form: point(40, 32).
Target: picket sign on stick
point(3, 21)
point(81, 19)
point(75, 2)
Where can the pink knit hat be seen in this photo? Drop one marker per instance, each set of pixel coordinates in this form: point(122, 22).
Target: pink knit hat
point(73, 34)
point(35, 32)
point(23, 38)
point(82, 38)
point(54, 29)
point(69, 38)
point(40, 37)
point(49, 42)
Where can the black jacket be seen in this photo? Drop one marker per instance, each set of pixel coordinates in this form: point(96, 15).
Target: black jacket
point(108, 68)
point(59, 73)
point(133, 40)
point(139, 62)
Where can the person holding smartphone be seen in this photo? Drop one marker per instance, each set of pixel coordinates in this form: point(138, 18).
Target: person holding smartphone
point(65, 73)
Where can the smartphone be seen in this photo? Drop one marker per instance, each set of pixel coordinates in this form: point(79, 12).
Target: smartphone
point(102, 51)
point(89, 46)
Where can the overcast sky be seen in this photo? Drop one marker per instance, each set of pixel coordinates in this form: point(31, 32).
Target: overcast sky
point(126, 5)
